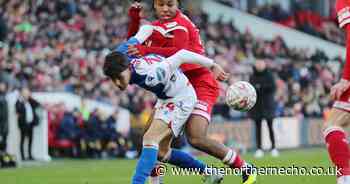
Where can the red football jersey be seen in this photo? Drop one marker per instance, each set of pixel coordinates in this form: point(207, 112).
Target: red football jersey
point(174, 35)
point(171, 36)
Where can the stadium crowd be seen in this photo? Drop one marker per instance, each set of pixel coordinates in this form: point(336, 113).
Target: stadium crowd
point(60, 46)
point(300, 16)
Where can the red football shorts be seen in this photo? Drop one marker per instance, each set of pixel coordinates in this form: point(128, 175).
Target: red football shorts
point(344, 101)
point(207, 90)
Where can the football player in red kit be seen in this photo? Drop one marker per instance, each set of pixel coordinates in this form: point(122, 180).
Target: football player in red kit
point(334, 134)
point(174, 31)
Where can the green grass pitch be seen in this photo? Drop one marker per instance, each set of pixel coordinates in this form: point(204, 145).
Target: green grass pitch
point(120, 171)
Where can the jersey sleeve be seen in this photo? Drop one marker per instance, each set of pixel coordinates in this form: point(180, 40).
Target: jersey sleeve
point(134, 21)
point(346, 70)
point(343, 14)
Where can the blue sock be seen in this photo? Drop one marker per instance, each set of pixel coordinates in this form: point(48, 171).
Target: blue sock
point(185, 160)
point(145, 165)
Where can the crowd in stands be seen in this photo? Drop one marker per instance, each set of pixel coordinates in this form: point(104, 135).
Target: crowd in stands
point(80, 133)
point(300, 17)
point(60, 46)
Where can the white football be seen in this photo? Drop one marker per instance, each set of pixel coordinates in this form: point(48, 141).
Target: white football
point(241, 96)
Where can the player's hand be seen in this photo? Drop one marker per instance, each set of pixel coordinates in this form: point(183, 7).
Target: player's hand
point(134, 51)
point(338, 89)
point(219, 72)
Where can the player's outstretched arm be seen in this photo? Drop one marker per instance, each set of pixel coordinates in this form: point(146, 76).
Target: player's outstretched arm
point(144, 33)
point(339, 88)
point(184, 56)
point(134, 18)
point(343, 15)
point(141, 36)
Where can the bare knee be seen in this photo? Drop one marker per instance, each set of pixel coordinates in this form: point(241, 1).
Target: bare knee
point(337, 118)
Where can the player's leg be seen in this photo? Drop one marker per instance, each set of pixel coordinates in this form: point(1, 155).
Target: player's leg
point(258, 125)
point(336, 140)
point(196, 130)
point(197, 127)
point(156, 177)
point(184, 160)
point(156, 132)
point(178, 158)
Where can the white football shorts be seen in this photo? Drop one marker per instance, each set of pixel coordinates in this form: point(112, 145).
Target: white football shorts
point(175, 111)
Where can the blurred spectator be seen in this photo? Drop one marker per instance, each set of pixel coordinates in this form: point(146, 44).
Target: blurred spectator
point(264, 109)
point(71, 130)
point(115, 143)
point(4, 126)
point(27, 118)
point(3, 29)
point(94, 133)
point(304, 19)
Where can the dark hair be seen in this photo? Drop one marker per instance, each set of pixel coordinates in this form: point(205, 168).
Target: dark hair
point(178, 2)
point(115, 63)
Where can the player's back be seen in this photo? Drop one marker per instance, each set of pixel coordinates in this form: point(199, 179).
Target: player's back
point(152, 74)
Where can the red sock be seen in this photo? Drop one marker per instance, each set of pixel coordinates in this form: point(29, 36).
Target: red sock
point(233, 160)
point(338, 150)
point(238, 163)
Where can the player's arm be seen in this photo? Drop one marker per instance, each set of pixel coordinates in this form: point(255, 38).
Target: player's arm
point(144, 33)
point(343, 15)
point(134, 19)
point(180, 41)
point(141, 36)
point(184, 56)
point(344, 84)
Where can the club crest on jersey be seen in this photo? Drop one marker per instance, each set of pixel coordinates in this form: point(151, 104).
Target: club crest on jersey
point(170, 24)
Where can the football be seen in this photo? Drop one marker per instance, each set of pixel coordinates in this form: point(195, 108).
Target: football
point(241, 96)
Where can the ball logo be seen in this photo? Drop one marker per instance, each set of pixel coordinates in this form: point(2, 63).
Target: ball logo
point(170, 106)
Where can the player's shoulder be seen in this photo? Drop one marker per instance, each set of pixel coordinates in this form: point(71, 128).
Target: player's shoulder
point(341, 4)
point(139, 66)
point(183, 19)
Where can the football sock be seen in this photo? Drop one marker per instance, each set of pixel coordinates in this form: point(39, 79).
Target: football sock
point(233, 160)
point(338, 149)
point(147, 161)
point(185, 160)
